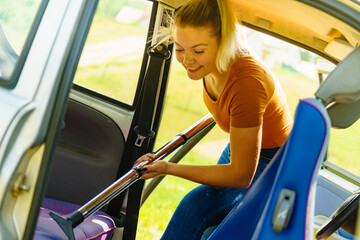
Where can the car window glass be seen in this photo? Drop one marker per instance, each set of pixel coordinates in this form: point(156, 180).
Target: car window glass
point(111, 60)
point(16, 18)
point(344, 148)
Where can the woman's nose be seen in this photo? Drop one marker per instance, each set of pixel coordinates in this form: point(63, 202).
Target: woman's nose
point(188, 59)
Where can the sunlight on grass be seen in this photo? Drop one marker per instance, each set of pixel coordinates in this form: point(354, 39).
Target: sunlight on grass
point(159, 207)
point(103, 25)
point(106, 79)
point(344, 148)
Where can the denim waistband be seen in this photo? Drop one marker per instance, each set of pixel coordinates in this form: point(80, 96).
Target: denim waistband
point(267, 154)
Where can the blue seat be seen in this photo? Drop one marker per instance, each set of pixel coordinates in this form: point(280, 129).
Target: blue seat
point(98, 226)
point(294, 168)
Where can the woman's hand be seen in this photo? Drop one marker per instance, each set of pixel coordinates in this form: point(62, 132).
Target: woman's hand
point(153, 169)
point(245, 149)
point(143, 158)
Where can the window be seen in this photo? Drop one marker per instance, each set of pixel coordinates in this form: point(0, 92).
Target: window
point(111, 60)
point(16, 18)
point(344, 150)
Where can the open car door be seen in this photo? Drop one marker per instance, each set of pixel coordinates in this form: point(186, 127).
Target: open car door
point(35, 83)
point(62, 142)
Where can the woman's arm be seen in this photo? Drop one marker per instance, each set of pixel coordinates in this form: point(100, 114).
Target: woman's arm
point(244, 147)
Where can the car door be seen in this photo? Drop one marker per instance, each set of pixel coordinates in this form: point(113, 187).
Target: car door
point(38, 61)
point(116, 81)
point(69, 131)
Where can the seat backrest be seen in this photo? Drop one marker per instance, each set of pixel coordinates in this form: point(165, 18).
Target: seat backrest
point(298, 172)
point(294, 168)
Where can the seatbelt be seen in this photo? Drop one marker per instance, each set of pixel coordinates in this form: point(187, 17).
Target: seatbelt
point(158, 55)
point(147, 111)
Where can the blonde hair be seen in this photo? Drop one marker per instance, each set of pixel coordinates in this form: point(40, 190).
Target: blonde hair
point(219, 16)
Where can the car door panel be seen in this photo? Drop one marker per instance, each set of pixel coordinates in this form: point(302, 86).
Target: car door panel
point(87, 155)
point(329, 196)
point(331, 191)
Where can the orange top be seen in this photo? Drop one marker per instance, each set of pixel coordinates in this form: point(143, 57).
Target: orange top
point(252, 97)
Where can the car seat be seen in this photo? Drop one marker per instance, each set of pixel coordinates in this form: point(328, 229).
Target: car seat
point(98, 226)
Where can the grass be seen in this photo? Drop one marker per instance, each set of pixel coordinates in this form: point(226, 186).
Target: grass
point(105, 78)
point(344, 148)
point(103, 25)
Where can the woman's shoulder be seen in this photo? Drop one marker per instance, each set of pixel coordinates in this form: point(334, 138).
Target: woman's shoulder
point(247, 73)
point(248, 67)
point(247, 63)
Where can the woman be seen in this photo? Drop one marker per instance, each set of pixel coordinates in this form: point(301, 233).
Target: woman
point(245, 101)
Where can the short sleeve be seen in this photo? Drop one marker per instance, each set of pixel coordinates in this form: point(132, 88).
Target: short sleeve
point(248, 103)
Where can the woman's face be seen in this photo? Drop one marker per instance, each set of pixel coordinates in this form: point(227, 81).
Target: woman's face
point(196, 50)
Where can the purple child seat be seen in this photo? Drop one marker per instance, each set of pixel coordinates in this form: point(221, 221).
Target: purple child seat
point(98, 226)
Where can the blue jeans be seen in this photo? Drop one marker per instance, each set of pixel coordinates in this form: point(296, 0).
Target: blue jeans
point(207, 206)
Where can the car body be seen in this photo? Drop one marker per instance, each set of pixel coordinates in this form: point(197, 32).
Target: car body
point(69, 105)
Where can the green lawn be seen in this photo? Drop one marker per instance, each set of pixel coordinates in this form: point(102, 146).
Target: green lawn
point(106, 79)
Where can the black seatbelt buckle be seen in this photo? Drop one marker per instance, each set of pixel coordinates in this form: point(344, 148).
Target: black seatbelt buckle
point(142, 135)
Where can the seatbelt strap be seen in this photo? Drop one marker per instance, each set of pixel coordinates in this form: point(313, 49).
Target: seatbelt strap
point(147, 111)
point(158, 55)
point(138, 140)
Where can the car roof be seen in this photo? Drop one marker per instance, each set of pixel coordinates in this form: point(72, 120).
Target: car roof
point(301, 24)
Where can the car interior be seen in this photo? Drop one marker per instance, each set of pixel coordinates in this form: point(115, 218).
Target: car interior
point(95, 144)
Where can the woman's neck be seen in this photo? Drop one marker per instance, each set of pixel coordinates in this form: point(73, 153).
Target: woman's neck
point(215, 83)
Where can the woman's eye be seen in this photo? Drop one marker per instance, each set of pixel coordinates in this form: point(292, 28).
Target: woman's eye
point(199, 52)
point(179, 50)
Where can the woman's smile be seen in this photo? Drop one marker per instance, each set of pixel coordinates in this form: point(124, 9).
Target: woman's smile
point(193, 70)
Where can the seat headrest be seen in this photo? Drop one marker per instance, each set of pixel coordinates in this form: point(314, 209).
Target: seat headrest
point(340, 92)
